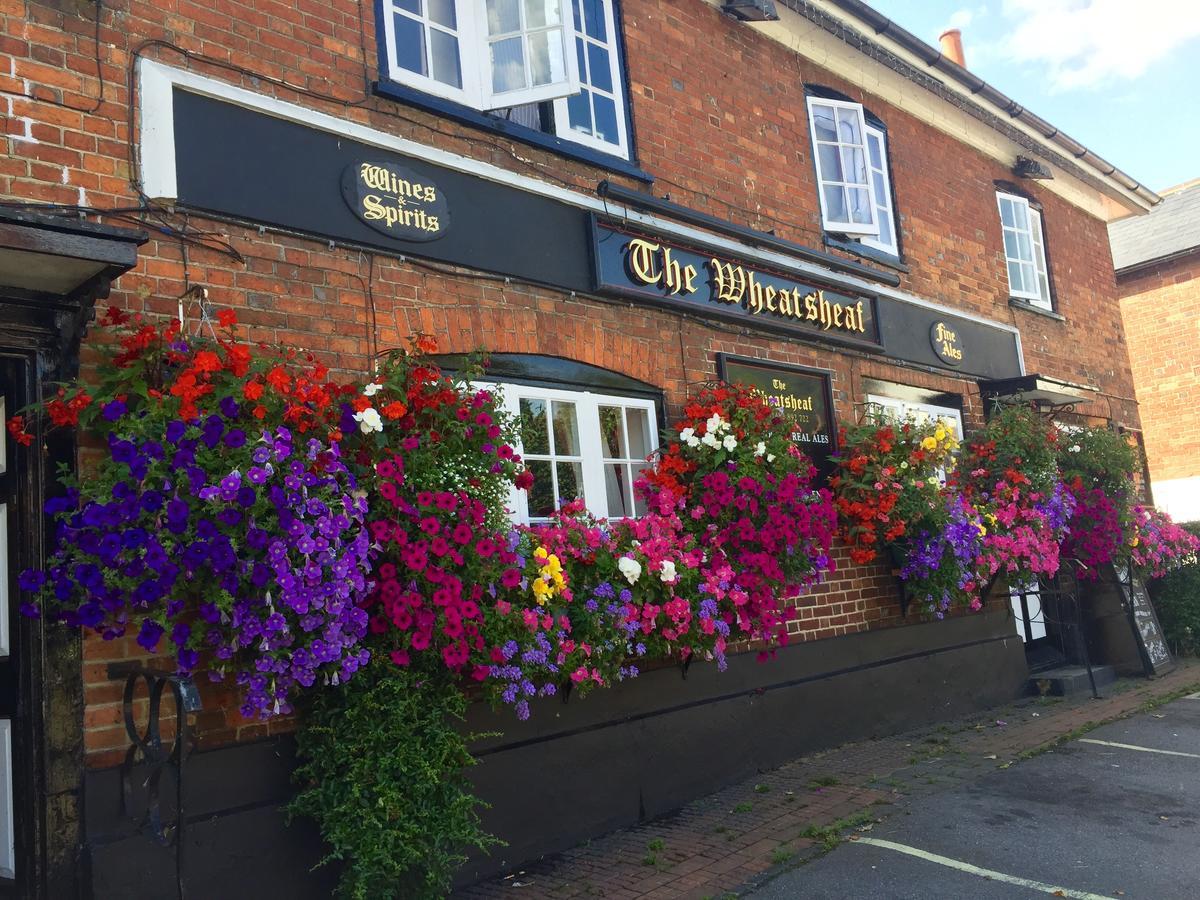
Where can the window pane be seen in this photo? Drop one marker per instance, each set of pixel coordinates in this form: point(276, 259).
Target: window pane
point(541, 494)
point(442, 12)
point(444, 50)
point(546, 60)
point(410, 44)
point(822, 117)
point(413, 6)
point(854, 165)
point(835, 204)
point(579, 111)
point(570, 481)
point(1020, 216)
point(831, 162)
point(534, 436)
point(873, 144)
point(599, 67)
point(1011, 248)
point(581, 62)
point(578, 17)
point(541, 13)
point(504, 16)
point(1015, 281)
point(597, 27)
point(860, 205)
point(606, 118)
point(639, 505)
point(612, 432)
point(848, 127)
point(639, 433)
point(566, 429)
point(616, 487)
point(508, 65)
point(880, 192)
point(1030, 277)
point(1006, 212)
point(885, 228)
point(1024, 250)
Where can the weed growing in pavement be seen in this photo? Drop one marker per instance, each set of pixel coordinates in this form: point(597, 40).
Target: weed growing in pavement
point(822, 781)
point(780, 855)
point(655, 845)
point(761, 788)
point(744, 806)
point(829, 836)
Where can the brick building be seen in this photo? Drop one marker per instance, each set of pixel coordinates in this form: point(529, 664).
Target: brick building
point(620, 200)
point(1157, 260)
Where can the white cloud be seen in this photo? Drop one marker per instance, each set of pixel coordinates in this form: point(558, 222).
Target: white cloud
point(961, 18)
point(1092, 43)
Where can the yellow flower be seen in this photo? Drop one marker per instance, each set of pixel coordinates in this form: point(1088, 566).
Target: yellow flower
point(929, 444)
point(982, 530)
point(940, 434)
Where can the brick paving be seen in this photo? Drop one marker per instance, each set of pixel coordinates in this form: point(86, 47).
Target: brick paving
point(729, 841)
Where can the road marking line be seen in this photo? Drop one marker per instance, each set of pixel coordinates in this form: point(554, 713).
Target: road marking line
point(1195, 696)
point(983, 873)
point(1136, 747)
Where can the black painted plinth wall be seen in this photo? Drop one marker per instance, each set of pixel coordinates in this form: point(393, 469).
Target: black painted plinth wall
point(579, 769)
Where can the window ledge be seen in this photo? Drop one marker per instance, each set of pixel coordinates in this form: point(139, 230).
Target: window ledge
point(864, 252)
point(516, 132)
point(1017, 303)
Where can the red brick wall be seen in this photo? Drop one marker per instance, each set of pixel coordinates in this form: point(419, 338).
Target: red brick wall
point(720, 121)
point(1161, 308)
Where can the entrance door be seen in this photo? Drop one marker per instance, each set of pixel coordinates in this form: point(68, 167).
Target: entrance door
point(1028, 613)
point(8, 669)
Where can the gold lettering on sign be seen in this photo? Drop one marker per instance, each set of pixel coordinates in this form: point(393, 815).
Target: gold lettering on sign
point(945, 342)
point(729, 281)
point(644, 256)
point(398, 201)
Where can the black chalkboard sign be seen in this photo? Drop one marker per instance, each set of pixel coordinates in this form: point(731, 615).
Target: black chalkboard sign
point(1146, 629)
point(802, 394)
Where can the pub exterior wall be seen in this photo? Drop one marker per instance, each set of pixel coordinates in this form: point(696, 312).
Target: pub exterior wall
point(720, 124)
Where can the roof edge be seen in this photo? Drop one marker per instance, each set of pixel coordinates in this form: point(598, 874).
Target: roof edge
point(934, 58)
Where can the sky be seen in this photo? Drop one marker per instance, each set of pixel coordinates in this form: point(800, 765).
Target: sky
point(1122, 77)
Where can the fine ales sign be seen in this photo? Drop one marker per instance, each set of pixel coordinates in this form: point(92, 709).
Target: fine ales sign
point(946, 343)
point(712, 284)
point(395, 201)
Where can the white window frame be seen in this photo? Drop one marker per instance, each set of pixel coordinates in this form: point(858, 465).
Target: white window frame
point(883, 205)
point(592, 456)
point(849, 227)
point(562, 118)
point(8, 850)
point(474, 59)
point(900, 410)
point(1034, 234)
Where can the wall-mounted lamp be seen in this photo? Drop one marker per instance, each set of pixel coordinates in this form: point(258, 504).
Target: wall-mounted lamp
point(1025, 167)
point(751, 10)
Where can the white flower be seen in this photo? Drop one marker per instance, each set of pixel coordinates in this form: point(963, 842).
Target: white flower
point(693, 441)
point(730, 442)
point(770, 457)
point(372, 389)
point(710, 440)
point(715, 424)
point(630, 568)
point(368, 420)
point(687, 435)
point(668, 571)
point(760, 448)
point(1074, 448)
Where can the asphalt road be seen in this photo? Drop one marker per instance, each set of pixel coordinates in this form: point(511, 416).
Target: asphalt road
point(1089, 819)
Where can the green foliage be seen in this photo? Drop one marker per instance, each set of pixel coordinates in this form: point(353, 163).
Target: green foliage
point(1019, 437)
point(1100, 457)
point(1177, 599)
point(383, 774)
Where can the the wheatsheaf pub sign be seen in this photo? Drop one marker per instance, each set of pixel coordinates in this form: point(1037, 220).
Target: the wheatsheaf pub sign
point(715, 285)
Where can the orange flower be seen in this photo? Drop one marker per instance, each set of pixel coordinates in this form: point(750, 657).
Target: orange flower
point(395, 410)
point(207, 361)
point(426, 344)
point(252, 390)
point(227, 318)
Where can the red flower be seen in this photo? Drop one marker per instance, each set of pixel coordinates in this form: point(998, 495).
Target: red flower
point(207, 361)
point(227, 318)
point(16, 428)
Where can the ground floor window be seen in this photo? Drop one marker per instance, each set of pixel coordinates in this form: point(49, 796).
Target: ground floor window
point(580, 444)
point(900, 410)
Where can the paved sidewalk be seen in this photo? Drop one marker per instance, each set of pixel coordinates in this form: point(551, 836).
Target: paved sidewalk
point(729, 842)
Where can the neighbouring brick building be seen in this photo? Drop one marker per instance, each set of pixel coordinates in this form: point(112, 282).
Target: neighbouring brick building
point(864, 220)
point(1157, 260)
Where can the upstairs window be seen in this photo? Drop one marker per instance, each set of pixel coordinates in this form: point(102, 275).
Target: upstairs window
point(552, 66)
point(854, 187)
point(1024, 251)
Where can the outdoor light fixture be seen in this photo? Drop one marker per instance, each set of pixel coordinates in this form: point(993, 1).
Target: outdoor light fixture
point(1025, 167)
point(751, 10)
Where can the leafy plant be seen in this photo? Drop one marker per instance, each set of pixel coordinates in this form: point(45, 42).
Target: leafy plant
point(383, 774)
point(1176, 597)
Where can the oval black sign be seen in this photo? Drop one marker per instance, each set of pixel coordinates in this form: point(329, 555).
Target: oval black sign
point(946, 344)
point(396, 201)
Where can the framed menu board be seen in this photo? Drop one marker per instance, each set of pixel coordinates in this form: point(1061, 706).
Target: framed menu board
point(802, 394)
